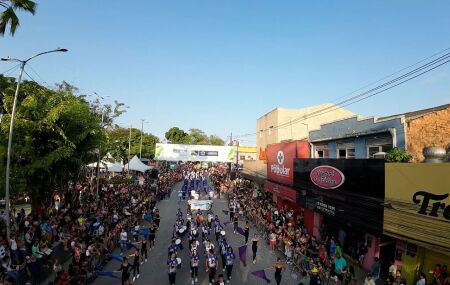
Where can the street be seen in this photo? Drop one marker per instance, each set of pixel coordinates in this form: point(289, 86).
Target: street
point(155, 270)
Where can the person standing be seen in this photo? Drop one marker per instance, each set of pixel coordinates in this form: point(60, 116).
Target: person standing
point(422, 279)
point(194, 265)
point(255, 240)
point(123, 241)
point(229, 260)
point(137, 260)
point(246, 232)
point(125, 268)
point(172, 264)
point(211, 265)
point(279, 267)
point(144, 250)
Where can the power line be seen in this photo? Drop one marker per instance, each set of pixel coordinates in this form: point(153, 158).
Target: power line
point(37, 74)
point(10, 69)
point(367, 94)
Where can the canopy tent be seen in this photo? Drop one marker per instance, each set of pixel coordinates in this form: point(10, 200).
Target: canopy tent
point(116, 167)
point(136, 164)
point(103, 164)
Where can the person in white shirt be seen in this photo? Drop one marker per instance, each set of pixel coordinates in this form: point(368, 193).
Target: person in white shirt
point(392, 269)
point(123, 241)
point(422, 279)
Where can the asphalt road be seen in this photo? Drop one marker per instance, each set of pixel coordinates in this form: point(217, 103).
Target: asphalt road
point(155, 270)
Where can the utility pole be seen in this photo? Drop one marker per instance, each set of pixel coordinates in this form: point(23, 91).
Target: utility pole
point(129, 150)
point(142, 132)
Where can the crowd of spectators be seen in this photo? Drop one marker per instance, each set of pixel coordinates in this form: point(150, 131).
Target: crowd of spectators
point(87, 227)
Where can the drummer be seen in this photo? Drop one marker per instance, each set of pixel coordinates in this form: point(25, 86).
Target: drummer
point(173, 248)
point(208, 246)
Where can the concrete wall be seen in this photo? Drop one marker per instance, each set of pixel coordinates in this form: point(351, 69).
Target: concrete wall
point(294, 130)
point(429, 130)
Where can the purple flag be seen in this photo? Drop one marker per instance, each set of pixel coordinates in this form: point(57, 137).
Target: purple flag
point(261, 274)
point(225, 212)
point(243, 254)
point(227, 223)
point(240, 231)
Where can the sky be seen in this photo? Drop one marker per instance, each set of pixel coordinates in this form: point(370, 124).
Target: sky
point(218, 65)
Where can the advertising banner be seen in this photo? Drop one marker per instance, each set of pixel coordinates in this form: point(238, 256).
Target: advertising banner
point(418, 204)
point(184, 152)
point(203, 205)
point(347, 190)
point(280, 162)
point(281, 191)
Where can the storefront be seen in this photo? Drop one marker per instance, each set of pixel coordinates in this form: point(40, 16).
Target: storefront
point(418, 216)
point(280, 176)
point(346, 197)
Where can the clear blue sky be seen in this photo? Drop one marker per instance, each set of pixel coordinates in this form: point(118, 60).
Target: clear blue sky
point(219, 65)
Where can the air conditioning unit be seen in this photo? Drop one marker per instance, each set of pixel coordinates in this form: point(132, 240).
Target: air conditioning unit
point(379, 155)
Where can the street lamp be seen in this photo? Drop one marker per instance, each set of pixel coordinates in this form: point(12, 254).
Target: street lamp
point(11, 129)
point(142, 132)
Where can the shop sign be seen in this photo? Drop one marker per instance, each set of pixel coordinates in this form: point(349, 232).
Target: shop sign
point(418, 195)
point(280, 162)
point(326, 208)
point(327, 177)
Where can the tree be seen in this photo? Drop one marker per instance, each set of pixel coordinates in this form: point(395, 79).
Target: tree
point(118, 138)
point(55, 136)
point(216, 140)
point(397, 155)
point(9, 17)
point(177, 136)
point(197, 136)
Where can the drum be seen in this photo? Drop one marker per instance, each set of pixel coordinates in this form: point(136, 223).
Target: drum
point(178, 262)
point(178, 241)
point(222, 233)
point(182, 232)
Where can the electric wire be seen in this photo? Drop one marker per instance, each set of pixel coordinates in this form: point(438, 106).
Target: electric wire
point(367, 94)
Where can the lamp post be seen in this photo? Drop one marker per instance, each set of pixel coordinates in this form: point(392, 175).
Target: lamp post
point(142, 133)
point(11, 129)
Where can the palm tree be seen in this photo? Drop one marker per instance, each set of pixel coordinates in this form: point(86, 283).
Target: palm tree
point(8, 16)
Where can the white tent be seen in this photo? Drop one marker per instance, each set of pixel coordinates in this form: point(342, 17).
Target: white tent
point(116, 167)
point(136, 164)
point(103, 164)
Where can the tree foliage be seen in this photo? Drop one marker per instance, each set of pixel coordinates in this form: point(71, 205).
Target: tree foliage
point(118, 139)
point(177, 136)
point(397, 155)
point(195, 136)
point(55, 135)
point(8, 16)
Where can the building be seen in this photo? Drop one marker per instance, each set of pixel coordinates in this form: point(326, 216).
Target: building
point(247, 153)
point(360, 138)
point(417, 215)
point(281, 125)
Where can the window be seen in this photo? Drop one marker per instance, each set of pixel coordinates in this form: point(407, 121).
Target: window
point(321, 151)
point(346, 153)
point(242, 157)
point(371, 150)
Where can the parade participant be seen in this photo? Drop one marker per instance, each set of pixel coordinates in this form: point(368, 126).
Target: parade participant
point(255, 240)
point(246, 232)
point(230, 257)
point(172, 264)
point(279, 267)
point(152, 235)
point(208, 246)
point(195, 259)
point(144, 250)
point(157, 218)
point(221, 280)
point(125, 267)
point(217, 229)
point(211, 266)
point(194, 245)
point(210, 218)
point(137, 260)
point(223, 248)
point(235, 223)
point(173, 248)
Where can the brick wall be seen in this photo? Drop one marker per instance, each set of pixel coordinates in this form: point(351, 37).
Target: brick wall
point(430, 130)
